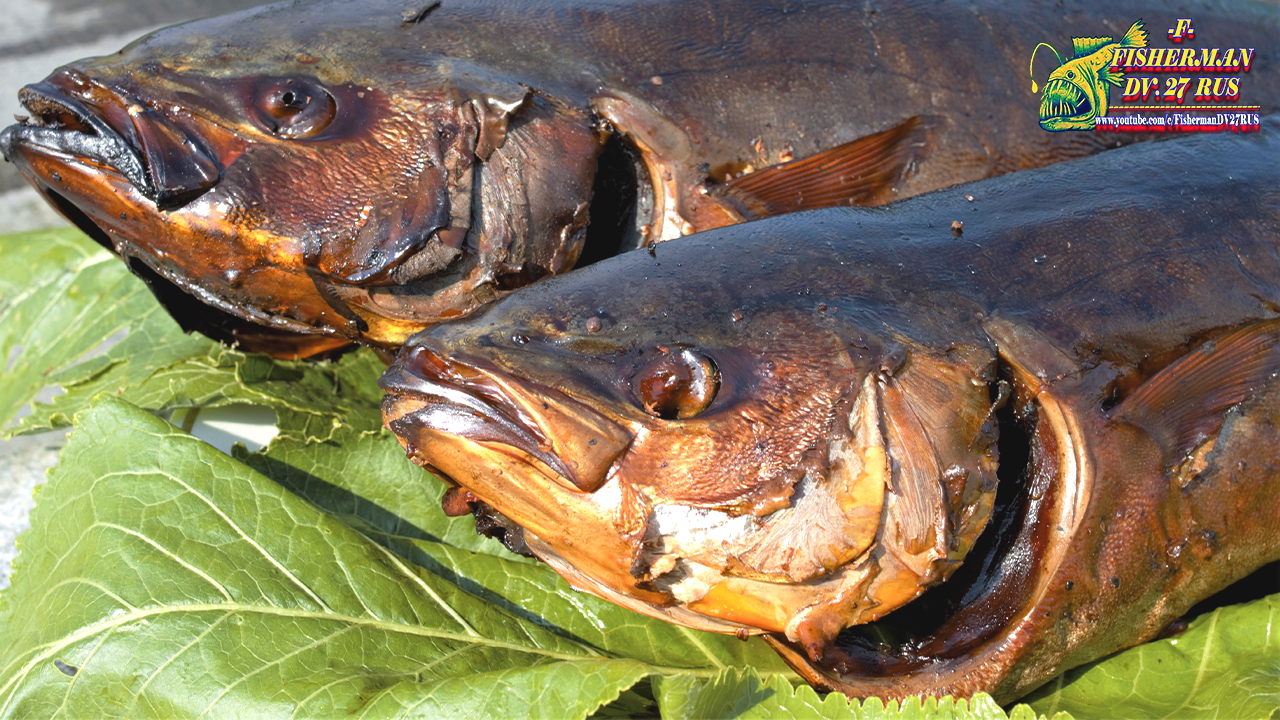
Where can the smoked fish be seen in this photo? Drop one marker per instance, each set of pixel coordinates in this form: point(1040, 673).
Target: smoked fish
point(959, 443)
point(301, 176)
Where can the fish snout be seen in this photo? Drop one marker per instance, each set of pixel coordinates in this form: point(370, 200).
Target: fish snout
point(74, 114)
point(430, 390)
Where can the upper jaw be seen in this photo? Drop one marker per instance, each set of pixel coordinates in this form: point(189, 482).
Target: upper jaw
point(63, 125)
point(430, 389)
point(75, 116)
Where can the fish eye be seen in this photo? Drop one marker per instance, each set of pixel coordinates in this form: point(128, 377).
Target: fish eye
point(678, 383)
point(1071, 75)
point(294, 108)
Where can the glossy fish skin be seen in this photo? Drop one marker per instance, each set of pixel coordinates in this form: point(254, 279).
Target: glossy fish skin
point(342, 171)
point(1127, 305)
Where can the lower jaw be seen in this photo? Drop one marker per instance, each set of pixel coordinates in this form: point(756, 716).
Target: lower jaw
point(289, 340)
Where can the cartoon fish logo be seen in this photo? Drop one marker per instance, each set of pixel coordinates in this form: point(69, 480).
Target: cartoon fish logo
point(1077, 91)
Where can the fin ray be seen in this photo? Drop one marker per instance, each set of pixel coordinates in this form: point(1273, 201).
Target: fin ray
point(859, 172)
point(1135, 36)
point(1087, 46)
point(1186, 403)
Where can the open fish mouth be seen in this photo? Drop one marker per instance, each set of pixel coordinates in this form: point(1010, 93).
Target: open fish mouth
point(84, 121)
point(472, 399)
point(1064, 100)
point(115, 169)
point(62, 125)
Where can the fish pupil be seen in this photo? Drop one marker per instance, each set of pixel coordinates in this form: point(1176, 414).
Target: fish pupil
point(289, 108)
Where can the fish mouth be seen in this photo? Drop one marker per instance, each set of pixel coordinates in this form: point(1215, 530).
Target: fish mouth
point(429, 389)
point(66, 127)
point(527, 452)
point(81, 120)
point(1064, 105)
point(80, 161)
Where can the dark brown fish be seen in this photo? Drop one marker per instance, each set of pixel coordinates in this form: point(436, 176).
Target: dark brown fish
point(300, 176)
point(1062, 423)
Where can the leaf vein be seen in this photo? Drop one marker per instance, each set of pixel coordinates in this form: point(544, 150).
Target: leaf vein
point(272, 663)
point(254, 543)
point(170, 660)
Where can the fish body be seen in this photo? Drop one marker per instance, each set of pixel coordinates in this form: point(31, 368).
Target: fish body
point(1078, 91)
point(923, 460)
point(303, 175)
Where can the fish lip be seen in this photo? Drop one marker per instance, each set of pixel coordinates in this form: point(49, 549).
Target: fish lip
point(448, 392)
point(103, 145)
point(167, 163)
point(434, 389)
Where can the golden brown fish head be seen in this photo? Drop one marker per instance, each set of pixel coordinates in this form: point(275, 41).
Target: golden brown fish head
point(693, 458)
point(278, 174)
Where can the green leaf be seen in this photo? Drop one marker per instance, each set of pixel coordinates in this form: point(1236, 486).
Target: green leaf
point(1226, 665)
point(552, 691)
point(64, 296)
point(61, 297)
point(311, 399)
point(741, 693)
point(162, 578)
point(535, 591)
point(364, 478)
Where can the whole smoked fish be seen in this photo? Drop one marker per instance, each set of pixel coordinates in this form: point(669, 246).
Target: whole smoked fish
point(303, 175)
point(960, 443)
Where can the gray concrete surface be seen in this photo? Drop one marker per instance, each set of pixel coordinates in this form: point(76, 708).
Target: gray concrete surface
point(37, 36)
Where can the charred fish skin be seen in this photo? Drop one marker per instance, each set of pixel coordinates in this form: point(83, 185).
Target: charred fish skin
point(317, 174)
point(801, 435)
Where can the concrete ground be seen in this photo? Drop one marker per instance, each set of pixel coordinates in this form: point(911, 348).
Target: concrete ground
point(37, 36)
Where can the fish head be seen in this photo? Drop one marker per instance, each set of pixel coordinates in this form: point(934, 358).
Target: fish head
point(1074, 94)
point(693, 456)
point(277, 166)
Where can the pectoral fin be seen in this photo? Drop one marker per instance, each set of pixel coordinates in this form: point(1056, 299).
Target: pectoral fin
point(1186, 403)
point(861, 172)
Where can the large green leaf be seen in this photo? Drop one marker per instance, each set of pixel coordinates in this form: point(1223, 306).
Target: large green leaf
point(61, 298)
point(1226, 665)
point(162, 578)
point(363, 477)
